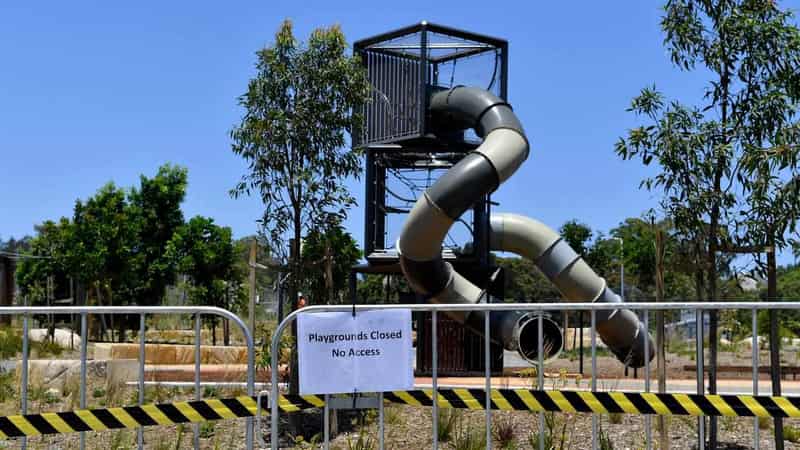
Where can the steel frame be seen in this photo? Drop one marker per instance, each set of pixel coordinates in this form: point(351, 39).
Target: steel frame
point(643, 308)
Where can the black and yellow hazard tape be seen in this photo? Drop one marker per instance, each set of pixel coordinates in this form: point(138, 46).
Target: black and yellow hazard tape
point(127, 417)
point(605, 402)
point(501, 399)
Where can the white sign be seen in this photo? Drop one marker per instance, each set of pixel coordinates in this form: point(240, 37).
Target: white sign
point(342, 353)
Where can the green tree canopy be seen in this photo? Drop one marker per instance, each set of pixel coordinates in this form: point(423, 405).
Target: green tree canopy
point(114, 244)
point(297, 112)
point(727, 158)
point(328, 256)
point(578, 235)
point(156, 214)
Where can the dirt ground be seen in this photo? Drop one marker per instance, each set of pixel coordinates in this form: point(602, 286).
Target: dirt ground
point(406, 427)
point(411, 428)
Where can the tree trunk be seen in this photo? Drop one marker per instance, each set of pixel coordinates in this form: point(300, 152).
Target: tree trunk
point(699, 280)
point(251, 310)
point(663, 433)
point(213, 331)
point(103, 325)
point(774, 335)
point(294, 282)
point(329, 274)
point(713, 322)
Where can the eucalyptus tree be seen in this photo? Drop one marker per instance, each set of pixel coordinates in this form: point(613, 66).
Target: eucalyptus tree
point(709, 175)
point(298, 109)
point(329, 255)
point(206, 253)
point(577, 235)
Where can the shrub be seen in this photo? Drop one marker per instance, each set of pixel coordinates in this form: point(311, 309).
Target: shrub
point(557, 433)
point(10, 343)
point(206, 430)
point(264, 352)
point(8, 386)
point(503, 433)
point(533, 440)
point(364, 442)
point(392, 415)
point(47, 348)
point(446, 422)
point(791, 434)
point(466, 438)
point(312, 443)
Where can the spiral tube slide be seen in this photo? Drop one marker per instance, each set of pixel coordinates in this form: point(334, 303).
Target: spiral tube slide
point(482, 171)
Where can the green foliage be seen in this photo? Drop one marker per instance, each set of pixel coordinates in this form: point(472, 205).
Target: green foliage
point(557, 434)
point(10, 343)
point(205, 252)
point(604, 439)
point(113, 244)
point(312, 443)
point(8, 386)
point(577, 235)
point(392, 415)
point(362, 442)
point(328, 256)
point(791, 434)
point(118, 439)
point(533, 440)
point(302, 101)
point(207, 430)
point(446, 422)
point(525, 282)
point(46, 348)
point(723, 163)
point(468, 438)
point(179, 436)
point(154, 208)
point(264, 352)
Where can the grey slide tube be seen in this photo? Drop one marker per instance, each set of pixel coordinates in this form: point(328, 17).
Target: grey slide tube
point(620, 329)
point(504, 149)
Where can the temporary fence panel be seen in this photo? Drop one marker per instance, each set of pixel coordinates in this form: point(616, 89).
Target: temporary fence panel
point(539, 400)
point(39, 424)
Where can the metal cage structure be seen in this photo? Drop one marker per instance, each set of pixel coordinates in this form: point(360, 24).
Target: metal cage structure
point(404, 157)
point(404, 67)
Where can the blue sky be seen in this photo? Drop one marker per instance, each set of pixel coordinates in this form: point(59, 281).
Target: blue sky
point(98, 91)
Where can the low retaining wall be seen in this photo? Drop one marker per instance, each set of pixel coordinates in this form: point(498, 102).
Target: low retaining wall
point(161, 354)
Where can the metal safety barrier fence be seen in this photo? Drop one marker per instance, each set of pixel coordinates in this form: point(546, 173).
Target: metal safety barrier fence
point(142, 312)
point(593, 401)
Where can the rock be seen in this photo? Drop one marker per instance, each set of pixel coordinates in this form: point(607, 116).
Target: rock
point(49, 371)
point(64, 338)
point(55, 372)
